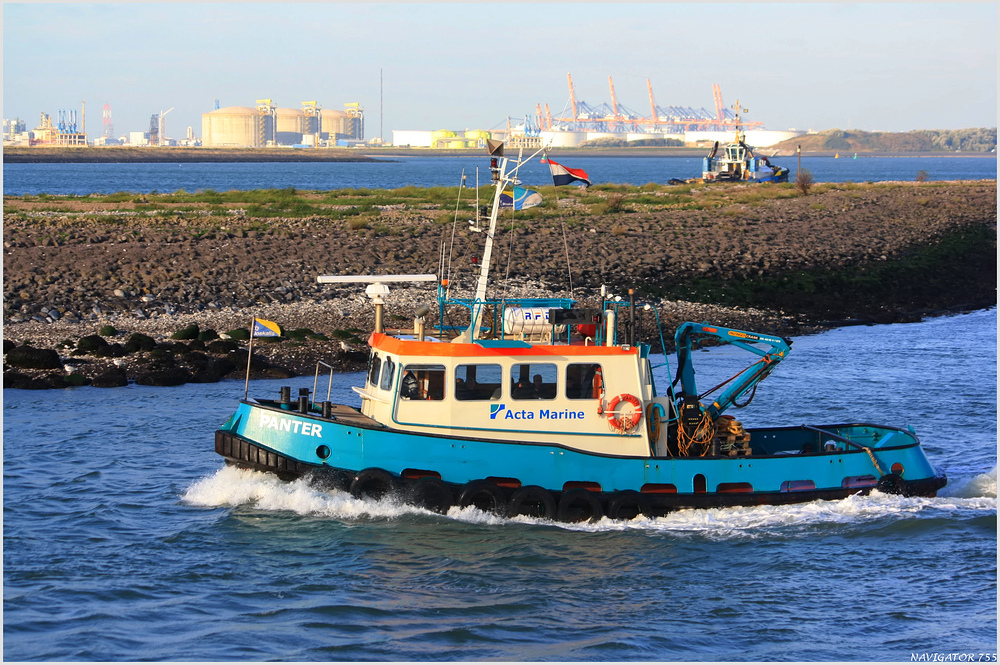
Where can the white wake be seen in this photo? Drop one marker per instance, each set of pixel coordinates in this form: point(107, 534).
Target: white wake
point(232, 487)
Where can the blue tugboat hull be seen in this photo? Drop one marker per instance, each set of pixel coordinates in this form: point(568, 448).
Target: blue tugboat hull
point(293, 445)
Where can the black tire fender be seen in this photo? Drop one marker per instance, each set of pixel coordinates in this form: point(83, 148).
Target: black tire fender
point(325, 479)
point(891, 483)
point(373, 483)
point(532, 501)
point(628, 505)
point(484, 495)
point(579, 505)
point(430, 493)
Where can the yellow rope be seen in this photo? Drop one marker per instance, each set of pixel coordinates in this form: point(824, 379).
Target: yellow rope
point(874, 461)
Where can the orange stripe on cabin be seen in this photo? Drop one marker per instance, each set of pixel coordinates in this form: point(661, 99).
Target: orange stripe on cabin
point(414, 348)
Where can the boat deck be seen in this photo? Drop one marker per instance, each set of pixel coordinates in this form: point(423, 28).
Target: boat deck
point(339, 412)
point(352, 416)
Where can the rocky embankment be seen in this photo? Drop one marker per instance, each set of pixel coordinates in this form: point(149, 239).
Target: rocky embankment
point(884, 252)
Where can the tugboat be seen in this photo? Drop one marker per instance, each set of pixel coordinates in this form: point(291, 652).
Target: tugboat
point(543, 408)
point(737, 163)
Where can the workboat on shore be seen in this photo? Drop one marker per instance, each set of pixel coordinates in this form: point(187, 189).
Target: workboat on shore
point(539, 407)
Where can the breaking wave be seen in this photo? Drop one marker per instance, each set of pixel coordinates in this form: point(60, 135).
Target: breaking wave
point(239, 488)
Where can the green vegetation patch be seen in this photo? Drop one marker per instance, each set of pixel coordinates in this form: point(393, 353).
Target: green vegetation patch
point(189, 332)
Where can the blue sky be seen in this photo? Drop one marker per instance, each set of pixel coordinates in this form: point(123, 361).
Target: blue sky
point(892, 67)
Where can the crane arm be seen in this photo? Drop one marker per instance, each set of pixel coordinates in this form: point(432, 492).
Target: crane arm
point(572, 96)
point(774, 351)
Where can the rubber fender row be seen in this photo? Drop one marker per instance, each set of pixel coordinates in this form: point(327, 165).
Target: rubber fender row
point(574, 505)
point(431, 493)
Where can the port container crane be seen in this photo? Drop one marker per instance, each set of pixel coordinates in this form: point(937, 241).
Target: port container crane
point(572, 96)
point(652, 105)
point(617, 117)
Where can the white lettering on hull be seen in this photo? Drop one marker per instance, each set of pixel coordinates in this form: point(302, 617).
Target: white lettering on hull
point(281, 424)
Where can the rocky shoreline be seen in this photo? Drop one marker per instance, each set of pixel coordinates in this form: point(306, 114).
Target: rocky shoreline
point(786, 264)
point(167, 359)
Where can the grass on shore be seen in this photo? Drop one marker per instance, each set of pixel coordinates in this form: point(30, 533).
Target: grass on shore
point(362, 208)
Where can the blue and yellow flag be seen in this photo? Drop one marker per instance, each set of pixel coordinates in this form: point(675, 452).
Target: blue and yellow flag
point(522, 198)
point(263, 328)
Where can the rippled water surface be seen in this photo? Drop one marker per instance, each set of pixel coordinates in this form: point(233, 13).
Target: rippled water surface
point(83, 179)
point(126, 538)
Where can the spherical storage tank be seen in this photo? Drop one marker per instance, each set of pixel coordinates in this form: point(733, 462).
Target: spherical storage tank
point(234, 126)
point(290, 126)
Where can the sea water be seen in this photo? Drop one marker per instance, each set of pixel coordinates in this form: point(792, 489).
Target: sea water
point(84, 179)
point(126, 537)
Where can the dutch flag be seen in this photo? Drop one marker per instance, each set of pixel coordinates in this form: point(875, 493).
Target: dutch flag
point(564, 176)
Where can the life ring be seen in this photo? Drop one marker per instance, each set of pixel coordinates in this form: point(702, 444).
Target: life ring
point(625, 423)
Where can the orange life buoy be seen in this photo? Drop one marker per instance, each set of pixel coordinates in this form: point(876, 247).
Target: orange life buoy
point(624, 423)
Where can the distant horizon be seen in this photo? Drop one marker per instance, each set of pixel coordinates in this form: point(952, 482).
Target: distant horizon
point(802, 132)
point(812, 67)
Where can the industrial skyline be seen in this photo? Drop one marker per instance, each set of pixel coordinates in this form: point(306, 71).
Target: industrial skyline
point(893, 67)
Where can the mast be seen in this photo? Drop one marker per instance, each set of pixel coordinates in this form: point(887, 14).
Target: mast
point(501, 176)
point(484, 269)
point(740, 135)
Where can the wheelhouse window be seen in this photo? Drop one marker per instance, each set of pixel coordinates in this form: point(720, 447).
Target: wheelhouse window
point(478, 382)
point(388, 370)
point(533, 381)
point(374, 367)
point(422, 382)
point(584, 380)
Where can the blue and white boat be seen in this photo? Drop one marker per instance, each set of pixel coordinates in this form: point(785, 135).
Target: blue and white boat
point(737, 162)
point(538, 407)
